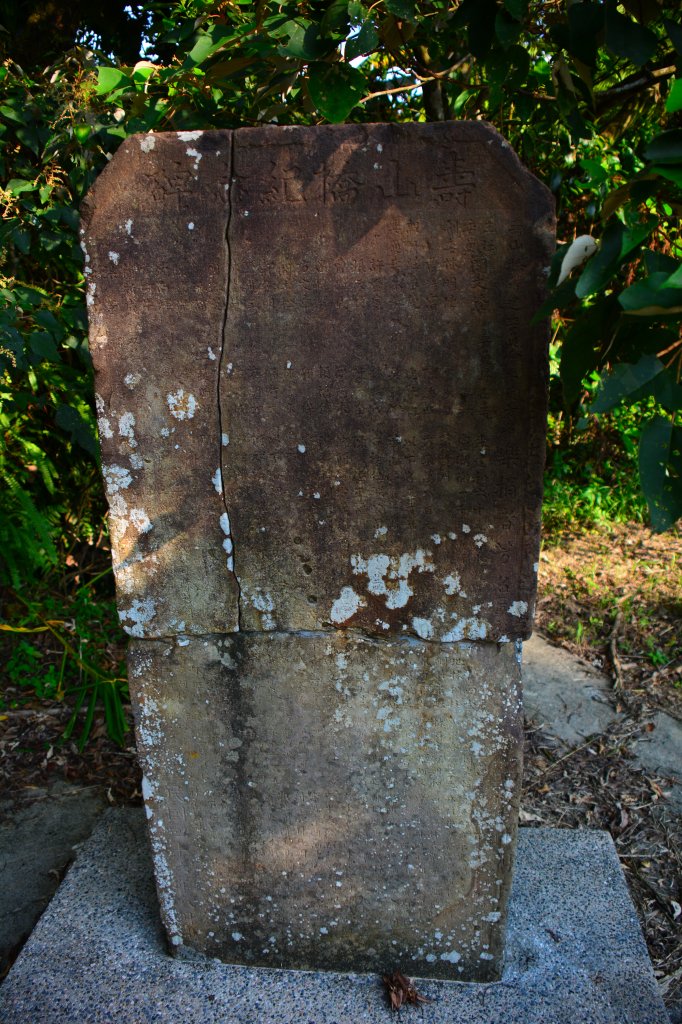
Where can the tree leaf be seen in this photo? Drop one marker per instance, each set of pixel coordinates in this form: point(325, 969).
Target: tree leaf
point(335, 89)
point(42, 346)
point(665, 148)
point(674, 31)
point(623, 380)
point(81, 431)
point(660, 472)
point(671, 173)
point(366, 41)
point(634, 235)
point(586, 23)
point(583, 342)
point(517, 8)
point(336, 20)
point(507, 29)
point(402, 9)
point(304, 41)
point(627, 38)
point(675, 279)
point(666, 390)
point(674, 100)
point(651, 293)
point(18, 185)
point(109, 79)
point(207, 43)
point(658, 262)
point(479, 17)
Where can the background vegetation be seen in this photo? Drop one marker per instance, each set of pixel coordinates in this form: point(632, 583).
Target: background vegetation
point(588, 92)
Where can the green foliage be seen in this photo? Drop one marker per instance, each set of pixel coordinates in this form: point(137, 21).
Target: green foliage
point(62, 650)
point(588, 93)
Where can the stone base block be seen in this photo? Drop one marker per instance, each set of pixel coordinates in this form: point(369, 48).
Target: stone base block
point(331, 801)
point(574, 952)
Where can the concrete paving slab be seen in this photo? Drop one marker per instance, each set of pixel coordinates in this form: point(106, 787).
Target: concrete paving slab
point(574, 952)
point(36, 846)
point(661, 751)
point(571, 701)
point(562, 695)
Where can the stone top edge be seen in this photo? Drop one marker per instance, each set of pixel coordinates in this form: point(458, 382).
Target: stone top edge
point(463, 131)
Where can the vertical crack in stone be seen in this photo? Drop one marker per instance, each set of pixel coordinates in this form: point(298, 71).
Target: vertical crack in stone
point(228, 281)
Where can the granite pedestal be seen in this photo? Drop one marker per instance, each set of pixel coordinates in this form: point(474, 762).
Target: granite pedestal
point(574, 952)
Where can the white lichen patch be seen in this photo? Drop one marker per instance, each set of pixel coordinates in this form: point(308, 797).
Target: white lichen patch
point(217, 481)
point(147, 143)
point(264, 604)
point(128, 227)
point(423, 628)
point(137, 616)
point(388, 575)
point(346, 605)
point(388, 720)
point(116, 478)
point(131, 380)
point(182, 404)
point(453, 584)
point(195, 155)
point(190, 226)
point(189, 136)
point(211, 354)
point(518, 608)
point(225, 440)
point(126, 428)
point(466, 629)
point(140, 520)
point(114, 257)
point(102, 421)
point(301, 448)
point(480, 539)
point(381, 531)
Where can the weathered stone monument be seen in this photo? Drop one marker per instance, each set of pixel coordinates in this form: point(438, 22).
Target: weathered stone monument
point(322, 410)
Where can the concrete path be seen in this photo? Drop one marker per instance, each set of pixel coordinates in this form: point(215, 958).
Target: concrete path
point(565, 698)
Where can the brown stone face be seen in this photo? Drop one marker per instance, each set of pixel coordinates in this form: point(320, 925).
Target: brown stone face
point(383, 392)
point(360, 298)
point(322, 406)
point(157, 266)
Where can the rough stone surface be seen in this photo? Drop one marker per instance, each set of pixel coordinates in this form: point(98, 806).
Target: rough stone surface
point(385, 402)
point(574, 952)
point(361, 297)
point(157, 267)
point(36, 845)
point(346, 800)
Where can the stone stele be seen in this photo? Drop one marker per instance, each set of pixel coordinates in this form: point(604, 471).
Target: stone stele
point(321, 404)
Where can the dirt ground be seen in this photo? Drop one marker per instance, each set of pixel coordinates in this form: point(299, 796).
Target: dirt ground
point(612, 597)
